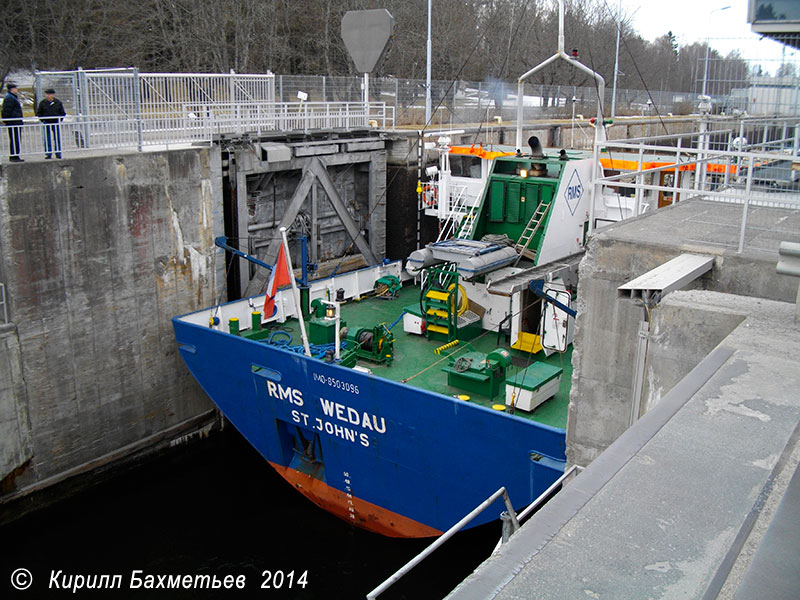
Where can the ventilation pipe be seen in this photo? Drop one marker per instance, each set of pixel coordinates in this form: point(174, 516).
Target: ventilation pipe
point(599, 130)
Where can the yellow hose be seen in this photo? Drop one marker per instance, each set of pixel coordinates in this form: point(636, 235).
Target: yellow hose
point(463, 301)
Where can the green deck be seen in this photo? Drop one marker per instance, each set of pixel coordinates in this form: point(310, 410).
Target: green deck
point(414, 357)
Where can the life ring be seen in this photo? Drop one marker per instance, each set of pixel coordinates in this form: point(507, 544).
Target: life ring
point(431, 194)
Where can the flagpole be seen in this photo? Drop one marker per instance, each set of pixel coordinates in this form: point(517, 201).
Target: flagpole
point(295, 292)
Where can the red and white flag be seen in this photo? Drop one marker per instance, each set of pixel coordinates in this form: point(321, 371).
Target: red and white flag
point(279, 278)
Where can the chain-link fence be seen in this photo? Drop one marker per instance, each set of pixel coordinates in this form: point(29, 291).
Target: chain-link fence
point(749, 87)
point(735, 87)
point(455, 103)
point(464, 102)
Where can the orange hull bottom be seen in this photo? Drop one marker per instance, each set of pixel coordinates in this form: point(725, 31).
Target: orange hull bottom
point(353, 510)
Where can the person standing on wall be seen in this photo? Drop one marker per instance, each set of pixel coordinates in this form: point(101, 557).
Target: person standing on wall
point(12, 118)
point(50, 112)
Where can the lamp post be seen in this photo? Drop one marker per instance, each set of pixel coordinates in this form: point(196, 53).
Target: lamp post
point(705, 70)
point(428, 71)
point(574, 100)
point(616, 62)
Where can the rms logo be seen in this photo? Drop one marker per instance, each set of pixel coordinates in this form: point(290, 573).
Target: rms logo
point(573, 192)
point(276, 390)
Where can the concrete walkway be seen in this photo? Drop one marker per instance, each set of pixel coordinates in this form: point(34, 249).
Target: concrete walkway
point(678, 505)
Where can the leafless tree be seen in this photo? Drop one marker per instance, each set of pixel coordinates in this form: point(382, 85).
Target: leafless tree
point(478, 40)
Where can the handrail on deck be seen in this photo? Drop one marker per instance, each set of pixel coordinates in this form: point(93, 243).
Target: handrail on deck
point(444, 537)
point(757, 173)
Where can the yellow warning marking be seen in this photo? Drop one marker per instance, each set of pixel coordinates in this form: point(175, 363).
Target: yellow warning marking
point(528, 342)
point(438, 329)
point(437, 295)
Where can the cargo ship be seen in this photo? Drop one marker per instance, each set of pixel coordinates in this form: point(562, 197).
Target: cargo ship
point(398, 398)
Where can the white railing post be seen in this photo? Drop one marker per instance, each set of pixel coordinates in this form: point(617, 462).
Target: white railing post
point(639, 180)
point(746, 204)
point(138, 108)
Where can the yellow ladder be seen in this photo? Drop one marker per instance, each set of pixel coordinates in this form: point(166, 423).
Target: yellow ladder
point(530, 230)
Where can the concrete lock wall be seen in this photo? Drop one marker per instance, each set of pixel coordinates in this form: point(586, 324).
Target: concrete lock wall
point(15, 444)
point(604, 347)
point(681, 335)
point(97, 255)
point(606, 333)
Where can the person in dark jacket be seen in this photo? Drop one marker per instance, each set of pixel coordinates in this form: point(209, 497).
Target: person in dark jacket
point(12, 118)
point(50, 112)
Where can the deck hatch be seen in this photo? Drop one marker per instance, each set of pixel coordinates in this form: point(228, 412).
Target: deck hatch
point(497, 205)
point(513, 202)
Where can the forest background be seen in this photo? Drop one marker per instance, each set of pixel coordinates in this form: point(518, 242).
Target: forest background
point(476, 40)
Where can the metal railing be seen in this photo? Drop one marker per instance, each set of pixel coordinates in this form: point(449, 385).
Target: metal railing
point(74, 136)
point(722, 165)
point(454, 210)
point(125, 92)
point(444, 537)
point(568, 476)
point(511, 524)
point(461, 102)
point(291, 116)
point(194, 123)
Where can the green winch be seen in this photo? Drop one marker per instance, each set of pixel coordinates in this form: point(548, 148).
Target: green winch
point(375, 344)
point(479, 373)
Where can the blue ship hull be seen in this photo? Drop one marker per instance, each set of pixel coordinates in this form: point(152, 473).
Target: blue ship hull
point(385, 456)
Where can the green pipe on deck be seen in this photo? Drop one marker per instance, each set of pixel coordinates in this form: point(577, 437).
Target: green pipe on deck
point(304, 300)
point(255, 320)
point(233, 326)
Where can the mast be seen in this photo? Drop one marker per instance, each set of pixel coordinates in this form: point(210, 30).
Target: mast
point(599, 129)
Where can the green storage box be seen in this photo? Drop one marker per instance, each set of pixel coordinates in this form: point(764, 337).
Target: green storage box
point(533, 385)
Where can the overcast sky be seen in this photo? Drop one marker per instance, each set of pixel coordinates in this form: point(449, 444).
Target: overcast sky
point(694, 20)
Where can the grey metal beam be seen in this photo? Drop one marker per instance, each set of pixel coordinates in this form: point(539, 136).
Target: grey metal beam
point(241, 223)
point(341, 210)
point(508, 285)
point(260, 278)
point(341, 158)
point(377, 203)
point(345, 158)
point(263, 181)
point(670, 276)
point(314, 234)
